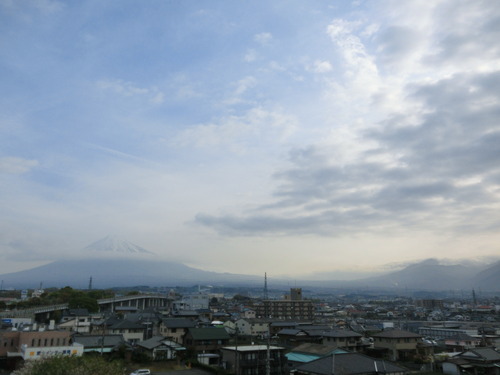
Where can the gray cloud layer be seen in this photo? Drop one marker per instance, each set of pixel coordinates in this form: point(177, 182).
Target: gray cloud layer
point(441, 173)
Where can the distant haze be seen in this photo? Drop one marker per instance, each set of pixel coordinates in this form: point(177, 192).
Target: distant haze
point(300, 138)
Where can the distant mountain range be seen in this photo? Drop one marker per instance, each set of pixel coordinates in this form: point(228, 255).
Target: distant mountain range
point(112, 262)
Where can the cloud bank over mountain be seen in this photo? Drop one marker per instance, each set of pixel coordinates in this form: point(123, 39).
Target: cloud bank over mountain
point(297, 136)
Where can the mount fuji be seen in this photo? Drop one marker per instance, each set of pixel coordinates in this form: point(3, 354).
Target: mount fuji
point(113, 262)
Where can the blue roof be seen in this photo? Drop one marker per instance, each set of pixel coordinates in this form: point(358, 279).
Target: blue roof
point(299, 357)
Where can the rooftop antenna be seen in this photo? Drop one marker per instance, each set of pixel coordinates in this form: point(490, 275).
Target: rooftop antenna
point(266, 297)
point(265, 287)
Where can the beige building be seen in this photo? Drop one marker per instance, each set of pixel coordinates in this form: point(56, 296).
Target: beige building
point(35, 344)
point(399, 345)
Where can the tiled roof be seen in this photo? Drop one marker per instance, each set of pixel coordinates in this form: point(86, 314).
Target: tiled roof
point(396, 334)
point(90, 341)
point(126, 324)
point(341, 333)
point(349, 363)
point(209, 333)
point(179, 323)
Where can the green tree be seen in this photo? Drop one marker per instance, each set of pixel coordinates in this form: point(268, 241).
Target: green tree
point(83, 302)
point(72, 365)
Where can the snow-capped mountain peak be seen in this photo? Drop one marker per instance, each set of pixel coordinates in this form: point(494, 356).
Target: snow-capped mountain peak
point(113, 244)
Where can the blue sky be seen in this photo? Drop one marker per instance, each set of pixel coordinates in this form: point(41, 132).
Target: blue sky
point(292, 137)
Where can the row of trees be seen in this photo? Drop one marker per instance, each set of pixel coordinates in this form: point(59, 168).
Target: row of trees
point(73, 297)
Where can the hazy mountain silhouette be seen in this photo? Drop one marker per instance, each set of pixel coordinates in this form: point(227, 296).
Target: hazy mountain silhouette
point(112, 262)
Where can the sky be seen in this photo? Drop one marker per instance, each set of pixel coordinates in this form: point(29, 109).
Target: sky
point(287, 137)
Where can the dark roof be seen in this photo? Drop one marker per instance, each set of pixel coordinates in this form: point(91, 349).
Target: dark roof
point(179, 323)
point(341, 333)
point(292, 332)
point(283, 324)
point(349, 363)
point(396, 334)
point(486, 354)
point(93, 341)
point(460, 336)
point(157, 341)
point(214, 333)
point(127, 324)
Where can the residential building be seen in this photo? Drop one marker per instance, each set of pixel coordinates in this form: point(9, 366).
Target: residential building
point(478, 361)
point(252, 327)
point(160, 349)
point(293, 307)
point(176, 328)
point(344, 339)
point(254, 359)
point(207, 340)
point(349, 364)
point(397, 344)
point(99, 343)
point(307, 352)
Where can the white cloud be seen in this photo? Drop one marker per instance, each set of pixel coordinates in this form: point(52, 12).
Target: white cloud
point(263, 38)
point(16, 165)
point(153, 94)
point(257, 128)
point(322, 67)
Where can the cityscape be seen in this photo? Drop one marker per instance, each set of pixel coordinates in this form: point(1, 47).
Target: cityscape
point(265, 187)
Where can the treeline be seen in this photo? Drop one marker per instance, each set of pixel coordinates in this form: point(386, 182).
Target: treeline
point(76, 299)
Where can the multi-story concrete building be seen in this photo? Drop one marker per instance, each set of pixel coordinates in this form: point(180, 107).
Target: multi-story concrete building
point(293, 307)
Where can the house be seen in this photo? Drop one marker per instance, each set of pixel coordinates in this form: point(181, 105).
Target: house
point(310, 352)
point(252, 327)
point(253, 359)
point(396, 344)
point(292, 337)
point(344, 339)
point(477, 361)
point(176, 328)
point(158, 348)
point(207, 340)
point(99, 343)
point(349, 364)
point(76, 320)
point(132, 332)
point(461, 342)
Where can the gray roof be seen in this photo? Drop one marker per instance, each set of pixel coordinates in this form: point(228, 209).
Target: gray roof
point(126, 324)
point(349, 363)
point(487, 354)
point(179, 323)
point(341, 333)
point(396, 334)
point(209, 333)
point(93, 341)
point(157, 341)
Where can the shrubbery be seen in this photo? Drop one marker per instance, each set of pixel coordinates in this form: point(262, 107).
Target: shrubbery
point(72, 365)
